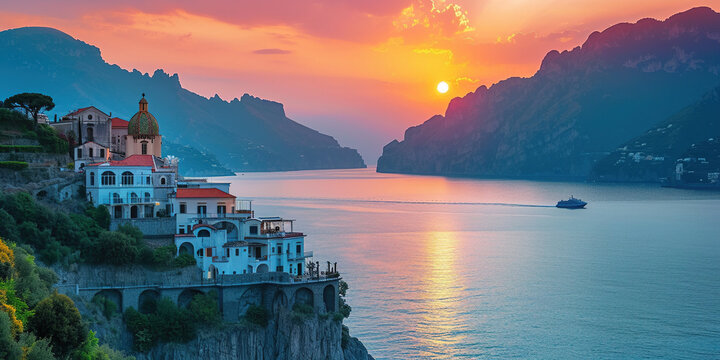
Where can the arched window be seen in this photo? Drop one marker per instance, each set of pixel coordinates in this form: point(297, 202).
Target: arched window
point(163, 181)
point(116, 198)
point(144, 147)
point(92, 179)
point(147, 197)
point(127, 178)
point(203, 233)
point(134, 198)
point(107, 178)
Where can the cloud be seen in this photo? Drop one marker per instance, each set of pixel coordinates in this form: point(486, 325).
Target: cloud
point(271, 52)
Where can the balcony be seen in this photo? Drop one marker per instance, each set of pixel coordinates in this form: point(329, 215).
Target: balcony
point(220, 259)
point(132, 200)
point(305, 255)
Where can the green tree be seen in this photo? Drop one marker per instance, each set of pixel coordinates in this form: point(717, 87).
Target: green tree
point(9, 349)
point(36, 349)
point(114, 248)
point(204, 308)
point(32, 103)
point(56, 318)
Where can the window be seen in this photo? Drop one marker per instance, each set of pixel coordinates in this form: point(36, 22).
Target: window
point(200, 253)
point(134, 198)
point(147, 197)
point(183, 208)
point(147, 180)
point(237, 252)
point(279, 249)
point(273, 250)
point(79, 153)
point(92, 178)
point(221, 209)
point(202, 210)
point(203, 233)
point(144, 148)
point(253, 230)
point(89, 133)
point(279, 269)
point(181, 230)
point(107, 178)
point(162, 181)
point(227, 252)
point(116, 198)
point(89, 117)
point(102, 153)
point(90, 152)
point(298, 248)
point(127, 178)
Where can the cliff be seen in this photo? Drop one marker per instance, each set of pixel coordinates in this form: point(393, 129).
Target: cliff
point(651, 157)
point(578, 107)
point(246, 134)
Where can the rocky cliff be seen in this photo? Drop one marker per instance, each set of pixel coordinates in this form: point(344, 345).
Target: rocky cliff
point(246, 134)
point(579, 106)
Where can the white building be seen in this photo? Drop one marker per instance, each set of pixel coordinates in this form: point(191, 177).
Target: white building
point(89, 153)
point(136, 187)
point(225, 239)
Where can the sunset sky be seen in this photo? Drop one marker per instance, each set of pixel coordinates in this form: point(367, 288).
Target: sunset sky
point(362, 71)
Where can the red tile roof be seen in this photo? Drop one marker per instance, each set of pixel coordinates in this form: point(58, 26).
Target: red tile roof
point(202, 193)
point(118, 123)
point(134, 160)
point(78, 111)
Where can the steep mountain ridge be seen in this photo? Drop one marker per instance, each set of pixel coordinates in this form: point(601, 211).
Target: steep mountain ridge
point(246, 134)
point(580, 105)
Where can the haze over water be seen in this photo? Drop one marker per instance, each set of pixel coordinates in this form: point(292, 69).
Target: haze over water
point(445, 268)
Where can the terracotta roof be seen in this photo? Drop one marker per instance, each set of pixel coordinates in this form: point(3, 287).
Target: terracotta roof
point(78, 111)
point(134, 160)
point(202, 225)
point(202, 193)
point(118, 123)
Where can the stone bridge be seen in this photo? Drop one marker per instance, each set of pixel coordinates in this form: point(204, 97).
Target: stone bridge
point(273, 291)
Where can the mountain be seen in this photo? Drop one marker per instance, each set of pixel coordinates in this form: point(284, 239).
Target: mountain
point(652, 155)
point(249, 134)
point(195, 162)
point(578, 107)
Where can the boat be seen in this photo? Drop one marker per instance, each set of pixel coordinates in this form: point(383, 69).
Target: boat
point(571, 203)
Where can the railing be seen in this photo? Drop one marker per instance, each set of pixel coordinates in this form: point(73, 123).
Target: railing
point(278, 234)
point(220, 259)
point(304, 255)
point(130, 200)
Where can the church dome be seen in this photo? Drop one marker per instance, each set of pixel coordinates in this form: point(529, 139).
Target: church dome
point(143, 122)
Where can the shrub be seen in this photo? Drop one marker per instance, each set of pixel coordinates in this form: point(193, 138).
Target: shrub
point(345, 337)
point(184, 260)
point(20, 148)
point(171, 323)
point(164, 255)
point(9, 349)
point(204, 308)
point(114, 248)
point(107, 306)
point(14, 165)
point(257, 315)
point(56, 318)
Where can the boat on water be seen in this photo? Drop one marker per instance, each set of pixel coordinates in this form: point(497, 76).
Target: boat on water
point(571, 203)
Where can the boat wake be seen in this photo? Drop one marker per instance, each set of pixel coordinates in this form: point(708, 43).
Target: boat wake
point(408, 202)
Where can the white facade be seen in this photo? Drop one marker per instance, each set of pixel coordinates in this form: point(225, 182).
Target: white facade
point(86, 124)
point(89, 153)
point(132, 188)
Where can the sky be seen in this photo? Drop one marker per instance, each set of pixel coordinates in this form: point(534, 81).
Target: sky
point(361, 71)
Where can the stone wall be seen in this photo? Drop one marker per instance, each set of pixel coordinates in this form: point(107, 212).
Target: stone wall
point(162, 226)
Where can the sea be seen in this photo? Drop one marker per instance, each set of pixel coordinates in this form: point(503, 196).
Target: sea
point(459, 268)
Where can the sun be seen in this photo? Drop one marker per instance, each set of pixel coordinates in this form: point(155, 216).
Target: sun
point(443, 87)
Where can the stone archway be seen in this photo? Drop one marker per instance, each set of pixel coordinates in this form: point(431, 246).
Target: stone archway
point(187, 248)
point(329, 298)
point(133, 212)
point(262, 268)
point(303, 296)
point(111, 295)
point(147, 301)
point(186, 297)
point(251, 296)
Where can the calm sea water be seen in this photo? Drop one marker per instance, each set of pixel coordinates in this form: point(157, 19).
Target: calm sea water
point(444, 268)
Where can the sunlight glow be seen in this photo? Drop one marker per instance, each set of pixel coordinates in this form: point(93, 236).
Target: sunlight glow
point(443, 87)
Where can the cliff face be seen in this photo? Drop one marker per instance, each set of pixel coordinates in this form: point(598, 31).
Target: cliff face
point(246, 134)
point(580, 105)
point(283, 339)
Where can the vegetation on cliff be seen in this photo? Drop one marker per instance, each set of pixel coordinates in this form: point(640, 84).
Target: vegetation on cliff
point(67, 237)
point(36, 323)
